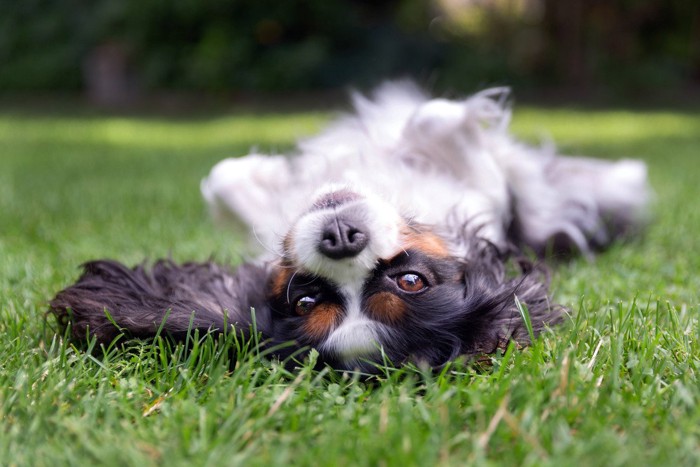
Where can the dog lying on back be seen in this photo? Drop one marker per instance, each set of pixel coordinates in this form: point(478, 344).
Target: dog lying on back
point(396, 234)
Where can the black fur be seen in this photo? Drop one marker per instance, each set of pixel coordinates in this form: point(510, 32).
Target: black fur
point(110, 298)
point(478, 314)
point(471, 311)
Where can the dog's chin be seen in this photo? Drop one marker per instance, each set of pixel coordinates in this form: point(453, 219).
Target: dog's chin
point(355, 343)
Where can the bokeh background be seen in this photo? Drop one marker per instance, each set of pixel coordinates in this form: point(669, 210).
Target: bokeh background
point(120, 52)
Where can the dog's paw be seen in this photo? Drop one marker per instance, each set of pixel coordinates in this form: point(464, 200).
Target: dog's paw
point(247, 187)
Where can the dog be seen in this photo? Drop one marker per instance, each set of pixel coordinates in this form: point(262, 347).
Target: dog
point(407, 231)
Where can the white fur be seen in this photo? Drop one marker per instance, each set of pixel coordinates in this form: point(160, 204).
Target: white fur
point(450, 164)
point(357, 337)
point(380, 218)
point(447, 163)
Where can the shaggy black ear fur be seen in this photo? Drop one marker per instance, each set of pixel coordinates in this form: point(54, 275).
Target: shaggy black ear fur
point(110, 298)
point(479, 314)
point(491, 315)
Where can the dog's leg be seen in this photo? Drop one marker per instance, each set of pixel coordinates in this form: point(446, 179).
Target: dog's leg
point(617, 189)
point(252, 190)
point(455, 139)
point(538, 198)
point(573, 202)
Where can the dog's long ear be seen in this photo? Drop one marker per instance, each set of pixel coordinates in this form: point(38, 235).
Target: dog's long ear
point(493, 300)
point(480, 313)
point(110, 298)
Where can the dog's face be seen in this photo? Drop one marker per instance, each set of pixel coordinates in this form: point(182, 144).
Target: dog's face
point(357, 278)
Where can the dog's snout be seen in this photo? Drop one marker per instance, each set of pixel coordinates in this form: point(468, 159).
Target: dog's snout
point(335, 199)
point(342, 237)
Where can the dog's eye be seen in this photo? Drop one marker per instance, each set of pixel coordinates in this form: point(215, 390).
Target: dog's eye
point(411, 282)
point(304, 305)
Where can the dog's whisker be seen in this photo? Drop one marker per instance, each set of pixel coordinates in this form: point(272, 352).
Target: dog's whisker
point(262, 244)
point(289, 286)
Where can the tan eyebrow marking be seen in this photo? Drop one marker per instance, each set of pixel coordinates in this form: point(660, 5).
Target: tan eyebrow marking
point(322, 319)
point(386, 307)
point(425, 241)
point(280, 281)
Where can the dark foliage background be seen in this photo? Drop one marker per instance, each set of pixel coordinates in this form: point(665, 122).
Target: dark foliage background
point(124, 47)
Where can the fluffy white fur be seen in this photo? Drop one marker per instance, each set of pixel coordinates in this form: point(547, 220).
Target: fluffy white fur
point(451, 164)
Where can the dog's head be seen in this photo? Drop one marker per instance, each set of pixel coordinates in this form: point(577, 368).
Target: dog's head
point(359, 282)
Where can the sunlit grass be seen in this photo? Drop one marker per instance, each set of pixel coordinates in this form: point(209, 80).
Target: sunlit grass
point(151, 133)
point(618, 128)
point(616, 385)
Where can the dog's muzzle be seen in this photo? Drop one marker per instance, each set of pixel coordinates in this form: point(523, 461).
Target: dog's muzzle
point(343, 235)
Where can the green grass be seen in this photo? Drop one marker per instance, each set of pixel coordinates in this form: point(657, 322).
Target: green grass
point(616, 385)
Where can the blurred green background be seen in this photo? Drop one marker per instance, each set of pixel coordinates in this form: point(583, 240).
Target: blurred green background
point(120, 51)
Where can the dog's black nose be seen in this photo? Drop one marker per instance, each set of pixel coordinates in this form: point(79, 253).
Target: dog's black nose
point(343, 238)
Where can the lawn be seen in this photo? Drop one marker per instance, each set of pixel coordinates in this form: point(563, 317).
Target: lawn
point(617, 384)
